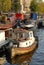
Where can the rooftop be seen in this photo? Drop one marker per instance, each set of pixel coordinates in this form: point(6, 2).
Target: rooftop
point(5, 26)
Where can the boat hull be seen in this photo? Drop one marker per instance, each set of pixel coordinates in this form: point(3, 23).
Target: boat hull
point(19, 51)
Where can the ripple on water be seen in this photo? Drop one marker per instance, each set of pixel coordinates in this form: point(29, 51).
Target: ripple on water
point(38, 57)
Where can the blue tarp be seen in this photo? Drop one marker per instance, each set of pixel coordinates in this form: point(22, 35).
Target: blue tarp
point(34, 16)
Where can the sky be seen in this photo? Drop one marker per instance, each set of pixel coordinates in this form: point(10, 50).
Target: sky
point(43, 0)
point(39, 0)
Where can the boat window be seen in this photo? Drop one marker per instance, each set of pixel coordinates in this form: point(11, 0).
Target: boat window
point(15, 35)
point(21, 36)
point(26, 35)
point(10, 35)
point(3, 22)
point(10, 30)
point(13, 30)
point(29, 42)
point(14, 43)
point(26, 43)
point(30, 34)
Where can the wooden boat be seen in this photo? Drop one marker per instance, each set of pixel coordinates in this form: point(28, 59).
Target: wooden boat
point(23, 42)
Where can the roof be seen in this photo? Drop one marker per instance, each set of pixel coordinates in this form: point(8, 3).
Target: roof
point(5, 26)
point(20, 30)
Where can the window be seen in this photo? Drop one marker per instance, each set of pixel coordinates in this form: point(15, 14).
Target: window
point(13, 30)
point(26, 43)
point(21, 36)
point(29, 42)
point(30, 34)
point(10, 35)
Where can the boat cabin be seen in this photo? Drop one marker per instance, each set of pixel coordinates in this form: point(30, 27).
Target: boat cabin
point(19, 34)
point(22, 38)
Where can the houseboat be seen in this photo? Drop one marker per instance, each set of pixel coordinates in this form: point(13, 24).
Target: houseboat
point(23, 42)
point(4, 41)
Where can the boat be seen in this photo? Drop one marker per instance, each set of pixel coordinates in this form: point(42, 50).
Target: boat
point(20, 42)
point(23, 42)
point(28, 24)
point(4, 43)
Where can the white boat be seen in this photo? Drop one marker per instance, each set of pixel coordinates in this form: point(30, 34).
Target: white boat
point(28, 24)
point(23, 42)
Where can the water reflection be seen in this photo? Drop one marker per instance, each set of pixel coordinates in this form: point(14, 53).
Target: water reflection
point(22, 59)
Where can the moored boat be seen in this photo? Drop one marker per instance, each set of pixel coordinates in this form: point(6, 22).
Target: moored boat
point(23, 42)
point(28, 24)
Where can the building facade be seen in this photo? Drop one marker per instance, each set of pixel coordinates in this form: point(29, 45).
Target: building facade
point(25, 5)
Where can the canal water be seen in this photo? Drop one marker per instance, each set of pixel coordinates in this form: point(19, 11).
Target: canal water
point(33, 58)
point(38, 56)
